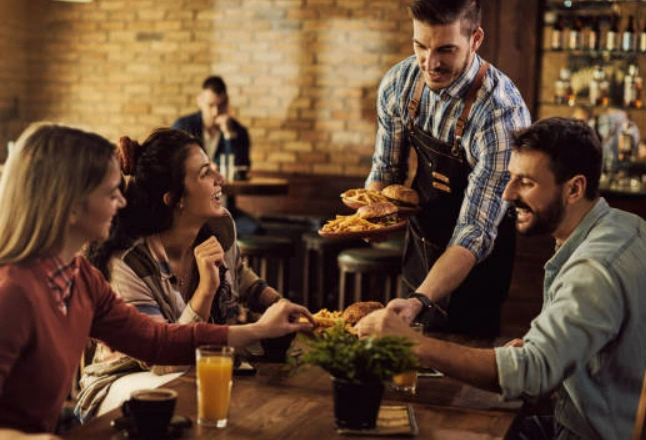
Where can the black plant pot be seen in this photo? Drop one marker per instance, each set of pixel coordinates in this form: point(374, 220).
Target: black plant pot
point(356, 406)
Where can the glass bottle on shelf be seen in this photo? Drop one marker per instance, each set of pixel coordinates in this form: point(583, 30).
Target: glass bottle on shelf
point(612, 36)
point(604, 88)
point(576, 35)
point(594, 35)
point(637, 103)
point(628, 37)
point(599, 87)
point(630, 88)
point(557, 34)
point(642, 38)
point(564, 94)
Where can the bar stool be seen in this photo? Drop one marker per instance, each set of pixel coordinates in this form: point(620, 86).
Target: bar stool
point(320, 272)
point(261, 250)
point(379, 263)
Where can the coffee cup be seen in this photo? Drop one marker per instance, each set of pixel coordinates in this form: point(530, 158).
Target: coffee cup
point(275, 349)
point(150, 410)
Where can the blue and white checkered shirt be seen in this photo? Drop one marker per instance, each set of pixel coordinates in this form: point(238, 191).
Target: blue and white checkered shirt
point(498, 110)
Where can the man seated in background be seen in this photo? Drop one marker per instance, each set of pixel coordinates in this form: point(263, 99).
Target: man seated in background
point(221, 135)
point(587, 343)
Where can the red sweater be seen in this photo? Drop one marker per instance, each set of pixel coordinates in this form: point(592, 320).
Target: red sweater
point(40, 347)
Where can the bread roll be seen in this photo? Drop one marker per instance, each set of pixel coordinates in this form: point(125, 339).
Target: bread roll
point(402, 195)
point(354, 312)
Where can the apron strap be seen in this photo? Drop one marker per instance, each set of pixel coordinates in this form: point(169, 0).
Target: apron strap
point(469, 100)
point(413, 105)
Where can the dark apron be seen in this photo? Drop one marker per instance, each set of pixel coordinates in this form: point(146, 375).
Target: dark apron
point(441, 181)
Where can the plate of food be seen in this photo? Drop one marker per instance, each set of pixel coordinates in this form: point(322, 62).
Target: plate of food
point(357, 197)
point(405, 198)
point(370, 220)
point(324, 318)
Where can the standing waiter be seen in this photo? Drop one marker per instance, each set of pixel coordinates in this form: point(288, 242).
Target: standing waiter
point(457, 112)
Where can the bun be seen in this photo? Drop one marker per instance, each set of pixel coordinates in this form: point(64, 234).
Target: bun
point(377, 210)
point(354, 312)
point(401, 194)
point(128, 152)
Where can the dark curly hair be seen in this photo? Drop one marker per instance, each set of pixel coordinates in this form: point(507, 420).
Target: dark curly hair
point(152, 169)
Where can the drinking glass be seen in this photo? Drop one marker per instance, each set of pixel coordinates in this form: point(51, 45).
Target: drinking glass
point(214, 380)
point(407, 381)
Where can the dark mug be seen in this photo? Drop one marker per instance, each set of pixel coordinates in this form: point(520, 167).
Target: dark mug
point(150, 410)
point(275, 349)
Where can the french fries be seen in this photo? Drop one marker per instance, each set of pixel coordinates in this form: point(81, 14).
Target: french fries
point(363, 196)
point(349, 223)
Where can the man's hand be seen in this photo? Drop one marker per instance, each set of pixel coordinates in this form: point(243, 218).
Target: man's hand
point(10, 434)
point(384, 322)
point(407, 309)
point(224, 122)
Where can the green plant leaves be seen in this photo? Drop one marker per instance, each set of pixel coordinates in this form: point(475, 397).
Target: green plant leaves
point(347, 357)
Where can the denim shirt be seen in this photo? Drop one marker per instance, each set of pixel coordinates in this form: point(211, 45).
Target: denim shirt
point(588, 343)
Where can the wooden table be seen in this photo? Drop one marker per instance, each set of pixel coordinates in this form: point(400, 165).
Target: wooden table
point(276, 405)
point(257, 186)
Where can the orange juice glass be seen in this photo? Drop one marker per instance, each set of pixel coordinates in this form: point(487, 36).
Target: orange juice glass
point(407, 381)
point(214, 366)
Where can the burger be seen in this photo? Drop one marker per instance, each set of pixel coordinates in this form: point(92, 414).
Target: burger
point(354, 312)
point(401, 195)
point(382, 213)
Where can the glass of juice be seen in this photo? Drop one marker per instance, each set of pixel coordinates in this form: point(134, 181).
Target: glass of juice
point(214, 366)
point(407, 381)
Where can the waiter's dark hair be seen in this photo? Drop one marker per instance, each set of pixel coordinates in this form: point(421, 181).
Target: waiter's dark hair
point(445, 12)
point(572, 146)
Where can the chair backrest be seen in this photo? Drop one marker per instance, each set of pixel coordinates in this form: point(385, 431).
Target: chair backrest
point(640, 420)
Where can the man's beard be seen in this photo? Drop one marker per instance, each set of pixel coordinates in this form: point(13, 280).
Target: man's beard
point(544, 221)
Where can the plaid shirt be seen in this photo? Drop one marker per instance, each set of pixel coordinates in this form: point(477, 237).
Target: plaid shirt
point(60, 278)
point(499, 110)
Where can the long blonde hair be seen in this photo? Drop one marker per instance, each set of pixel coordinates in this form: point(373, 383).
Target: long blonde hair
point(50, 169)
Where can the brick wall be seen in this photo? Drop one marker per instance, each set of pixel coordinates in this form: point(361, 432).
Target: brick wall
point(15, 36)
point(302, 74)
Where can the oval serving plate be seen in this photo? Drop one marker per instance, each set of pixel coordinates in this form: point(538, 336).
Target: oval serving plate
point(362, 234)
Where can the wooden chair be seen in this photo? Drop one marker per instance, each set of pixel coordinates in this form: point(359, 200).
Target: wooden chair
point(640, 421)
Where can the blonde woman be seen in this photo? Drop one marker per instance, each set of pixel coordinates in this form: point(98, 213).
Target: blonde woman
point(60, 190)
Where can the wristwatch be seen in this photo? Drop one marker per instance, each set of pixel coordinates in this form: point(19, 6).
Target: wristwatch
point(427, 304)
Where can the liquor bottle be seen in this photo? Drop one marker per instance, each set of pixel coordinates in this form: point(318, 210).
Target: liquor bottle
point(612, 35)
point(557, 34)
point(628, 37)
point(564, 93)
point(630, 89)
point(604, 89)
point(637, 103)
point(594, 35)
point(576, 35)
point(595, 86)
point(642, 38)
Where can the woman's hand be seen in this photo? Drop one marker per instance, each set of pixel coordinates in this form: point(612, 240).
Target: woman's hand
point(281, 318)
point(284, 317)
point(209, 256)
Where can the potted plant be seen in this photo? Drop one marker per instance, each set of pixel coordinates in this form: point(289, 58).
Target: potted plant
point(359, 368)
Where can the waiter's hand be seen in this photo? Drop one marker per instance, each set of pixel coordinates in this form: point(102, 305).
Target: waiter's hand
point(407, 309)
